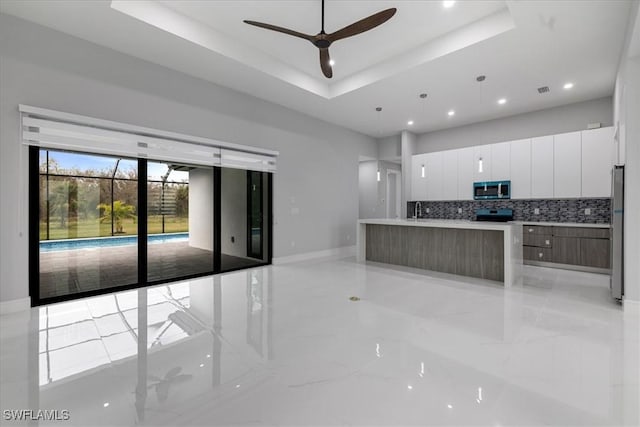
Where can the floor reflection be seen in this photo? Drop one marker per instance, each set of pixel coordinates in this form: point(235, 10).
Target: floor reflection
point(88, 341)
point(416, 349)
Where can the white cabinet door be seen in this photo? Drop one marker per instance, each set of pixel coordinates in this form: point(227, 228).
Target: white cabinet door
point(465, 173)
point(482, 163)
point(433, 164)
point(450, 175)
point(597, 162)
point(567, 177)
point(500, 158)
point(520, 169)
point(418, 182)
point(542, 167)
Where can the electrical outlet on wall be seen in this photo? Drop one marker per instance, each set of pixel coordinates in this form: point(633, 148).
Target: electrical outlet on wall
point(428, 210)
point(536, 211)
point(233, 239)
point(459, 210)
point(587, 211)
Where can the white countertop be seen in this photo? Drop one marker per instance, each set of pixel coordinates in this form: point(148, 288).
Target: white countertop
point(564, 224)
point(442, 223)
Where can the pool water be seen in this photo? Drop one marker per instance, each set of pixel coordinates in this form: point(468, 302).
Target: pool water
point(104, 242)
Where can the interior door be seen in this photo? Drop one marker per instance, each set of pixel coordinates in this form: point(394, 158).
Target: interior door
point(255, 230)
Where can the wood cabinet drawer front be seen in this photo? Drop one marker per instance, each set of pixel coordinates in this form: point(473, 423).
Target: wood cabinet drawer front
point(542, 241)
point(592, 233)
point(538, 254)
point(537, 229)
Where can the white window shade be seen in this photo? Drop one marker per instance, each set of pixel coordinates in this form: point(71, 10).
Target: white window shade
point(249, 161)
point(63, 131)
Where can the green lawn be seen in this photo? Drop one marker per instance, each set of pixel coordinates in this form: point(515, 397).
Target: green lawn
point(93, 228)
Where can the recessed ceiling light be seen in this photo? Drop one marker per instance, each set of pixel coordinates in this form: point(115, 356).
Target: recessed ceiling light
point(451, 113)
point(332, 62)
point(502, 101)
point(410, 122)
point(567, 85)
point(448, 3)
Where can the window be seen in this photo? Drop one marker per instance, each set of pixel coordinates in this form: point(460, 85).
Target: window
point(101, 223)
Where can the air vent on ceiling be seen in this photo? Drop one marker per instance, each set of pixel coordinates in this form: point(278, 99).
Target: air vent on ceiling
point(543, 89)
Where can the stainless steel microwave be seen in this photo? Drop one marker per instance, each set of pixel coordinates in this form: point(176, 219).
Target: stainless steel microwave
point(491, 190)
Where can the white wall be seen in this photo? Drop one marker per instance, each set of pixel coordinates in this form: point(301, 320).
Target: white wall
point(627, 114)
point(315, 188)
point(390, 149)
point(566, 118)
point(233, 195)
point(201, 208)
point(373, 194)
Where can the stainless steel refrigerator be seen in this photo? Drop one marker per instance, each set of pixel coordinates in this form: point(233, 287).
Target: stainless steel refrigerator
point(617, 233)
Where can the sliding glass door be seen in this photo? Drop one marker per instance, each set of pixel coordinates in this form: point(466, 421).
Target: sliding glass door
point(245, 218)
point(100, 223)
point(87, 236)
point(179, 221)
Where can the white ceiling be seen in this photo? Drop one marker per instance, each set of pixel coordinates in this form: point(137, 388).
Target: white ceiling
point(518, 45)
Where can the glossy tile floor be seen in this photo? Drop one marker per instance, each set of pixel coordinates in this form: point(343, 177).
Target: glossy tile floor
point(284, 345)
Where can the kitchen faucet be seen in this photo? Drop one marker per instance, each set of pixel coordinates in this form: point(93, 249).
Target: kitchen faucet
point(417, 209)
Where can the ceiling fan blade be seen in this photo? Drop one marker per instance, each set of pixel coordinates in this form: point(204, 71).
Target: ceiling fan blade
point(280, 30)
point(362, 25)
point(324, 63)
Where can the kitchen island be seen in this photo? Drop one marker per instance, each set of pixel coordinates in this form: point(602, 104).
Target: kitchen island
point(484, 250)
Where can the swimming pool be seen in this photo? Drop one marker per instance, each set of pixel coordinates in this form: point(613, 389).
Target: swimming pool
point(103, 242)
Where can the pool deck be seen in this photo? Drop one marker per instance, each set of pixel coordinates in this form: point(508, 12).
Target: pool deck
point(80, 270)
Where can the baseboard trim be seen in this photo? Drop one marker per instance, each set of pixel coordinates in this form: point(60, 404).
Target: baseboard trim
point(630, 306)
point(341, 252)
point(567, 267)
point(15, 305)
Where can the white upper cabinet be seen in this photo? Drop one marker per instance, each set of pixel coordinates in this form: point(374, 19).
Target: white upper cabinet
point(418, 182)
point(568, 165)
point(450, 175)
point(500, 154)
point(567, 178)
point(465, 173)
point(597, 162)
point(482, 163)
point(542, 167)
point(433, 165)
point(520, 169)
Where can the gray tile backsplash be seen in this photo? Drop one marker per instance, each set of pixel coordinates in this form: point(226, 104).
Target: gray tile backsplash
point(551, 210)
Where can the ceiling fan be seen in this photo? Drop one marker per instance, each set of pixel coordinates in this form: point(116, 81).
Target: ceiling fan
point(323, 40)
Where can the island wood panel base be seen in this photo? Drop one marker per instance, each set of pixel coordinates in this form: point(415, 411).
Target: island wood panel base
point(466, 252)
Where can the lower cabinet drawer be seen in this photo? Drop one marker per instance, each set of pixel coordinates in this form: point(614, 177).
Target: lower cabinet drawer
point(533, 253)
point(539, 240)
point(537, 229)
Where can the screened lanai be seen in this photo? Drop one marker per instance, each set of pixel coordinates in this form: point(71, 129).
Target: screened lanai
point(90, 213)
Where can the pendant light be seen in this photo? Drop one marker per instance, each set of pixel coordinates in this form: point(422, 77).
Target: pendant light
point(481, 79)
point(379, 111)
